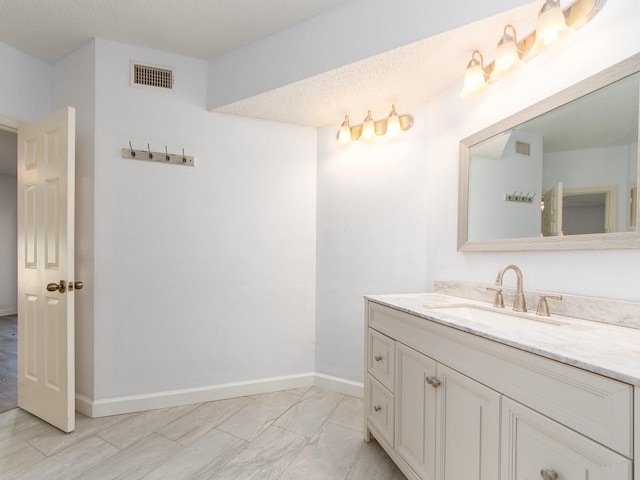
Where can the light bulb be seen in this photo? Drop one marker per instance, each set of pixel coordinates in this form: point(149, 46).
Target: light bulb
point(507, 55)
point(368, 128)
point(551, 26)
point(474, 78)
point(344, 135)
point(393, 122)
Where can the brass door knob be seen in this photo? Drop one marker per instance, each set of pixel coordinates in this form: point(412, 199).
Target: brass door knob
point(60, 287)
point(75, 286)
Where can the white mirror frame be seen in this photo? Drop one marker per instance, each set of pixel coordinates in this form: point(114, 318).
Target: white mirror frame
point(619, 240)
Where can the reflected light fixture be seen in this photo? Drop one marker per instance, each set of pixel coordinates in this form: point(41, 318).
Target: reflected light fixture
point(553, 24)
point(550, 27)
point(370, 128)
point(475, 79)
point(507, 55)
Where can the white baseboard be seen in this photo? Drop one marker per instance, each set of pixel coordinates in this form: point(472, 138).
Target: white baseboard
point(8, 311)
point(139, 403)
point(174, 398)
point(340, 385)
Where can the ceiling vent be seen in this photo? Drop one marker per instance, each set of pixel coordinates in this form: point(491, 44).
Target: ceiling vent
point(152, 76)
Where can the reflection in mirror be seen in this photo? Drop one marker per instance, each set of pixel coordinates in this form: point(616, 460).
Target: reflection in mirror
point(570, 170)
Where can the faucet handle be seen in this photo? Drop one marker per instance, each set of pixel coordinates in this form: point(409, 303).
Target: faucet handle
point(543, 307)
point(498, 301)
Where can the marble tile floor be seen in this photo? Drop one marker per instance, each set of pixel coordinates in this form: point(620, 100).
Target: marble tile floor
point(308, 433)
point(8, 362)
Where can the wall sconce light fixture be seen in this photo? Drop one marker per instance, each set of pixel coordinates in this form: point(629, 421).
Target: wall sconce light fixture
point(371, 128)
point(507, 54)
point(553, 24)
point(475, 78)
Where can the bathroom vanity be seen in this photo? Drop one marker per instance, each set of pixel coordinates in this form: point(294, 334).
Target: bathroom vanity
point(457, 389)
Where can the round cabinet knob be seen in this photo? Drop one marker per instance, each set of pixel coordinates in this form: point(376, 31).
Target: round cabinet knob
point(377, 358)
point(434, 382)
point(377, 408)
point(548, 474)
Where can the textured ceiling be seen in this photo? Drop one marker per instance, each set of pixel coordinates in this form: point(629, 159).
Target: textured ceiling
point(406, 76)
point(49, 30)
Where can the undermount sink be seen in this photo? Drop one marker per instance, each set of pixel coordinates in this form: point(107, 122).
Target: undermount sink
point(493, 317)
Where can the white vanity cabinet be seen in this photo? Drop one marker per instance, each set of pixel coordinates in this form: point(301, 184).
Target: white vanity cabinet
point(458, 406)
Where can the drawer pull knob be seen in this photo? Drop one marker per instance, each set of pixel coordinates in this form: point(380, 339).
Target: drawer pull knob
point(434, 382)
point(548, 474)
point(377, 358)
point(377, 408)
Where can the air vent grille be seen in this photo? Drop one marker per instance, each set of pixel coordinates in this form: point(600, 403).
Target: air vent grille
point(151, 76)
point(523, 148)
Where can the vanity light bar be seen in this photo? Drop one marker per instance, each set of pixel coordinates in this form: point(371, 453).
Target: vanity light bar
point(552, 25)
point(371, 128)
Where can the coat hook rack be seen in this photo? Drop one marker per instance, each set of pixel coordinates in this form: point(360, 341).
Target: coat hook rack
point(161, 157)
point(519, 197)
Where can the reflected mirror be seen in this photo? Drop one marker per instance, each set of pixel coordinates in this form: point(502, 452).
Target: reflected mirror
point(562, 174)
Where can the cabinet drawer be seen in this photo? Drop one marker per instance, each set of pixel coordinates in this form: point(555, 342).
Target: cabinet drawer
point(381, 408)
point(381, 358)
point(532, 443)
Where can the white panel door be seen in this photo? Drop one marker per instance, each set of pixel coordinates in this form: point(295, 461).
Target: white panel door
point(415, 429)
point(46, 196)
point(552, 213)
point(535, 447)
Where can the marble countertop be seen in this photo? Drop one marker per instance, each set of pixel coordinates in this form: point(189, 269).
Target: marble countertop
point(605, 349)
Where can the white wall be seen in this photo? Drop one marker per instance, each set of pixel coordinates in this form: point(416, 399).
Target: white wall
point(203, 275)
point(8, 245)
point(395, 230)
point(25, 85)
point(490, 215)
point(73, 84)
point(372, 235)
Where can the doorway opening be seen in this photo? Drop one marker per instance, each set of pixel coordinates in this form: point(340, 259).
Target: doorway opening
point(8, 272)
point(590, 210)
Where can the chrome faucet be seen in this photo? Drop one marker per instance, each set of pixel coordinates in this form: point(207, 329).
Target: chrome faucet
point(519, 304)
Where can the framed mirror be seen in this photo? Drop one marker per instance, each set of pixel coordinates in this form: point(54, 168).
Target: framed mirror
point(559, 175)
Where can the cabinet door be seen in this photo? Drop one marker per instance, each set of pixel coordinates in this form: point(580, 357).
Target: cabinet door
point(415, 410)
point(468, 429)
point(535, 447)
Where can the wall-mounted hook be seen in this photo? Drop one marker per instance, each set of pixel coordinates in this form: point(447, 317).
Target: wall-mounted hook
point(164, 157)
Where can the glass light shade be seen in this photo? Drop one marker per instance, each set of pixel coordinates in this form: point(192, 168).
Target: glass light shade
point(507, 58)
point(368, 128)
point(344, 135)
point(393, 122)
point(551, 26)
point(474, 80)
